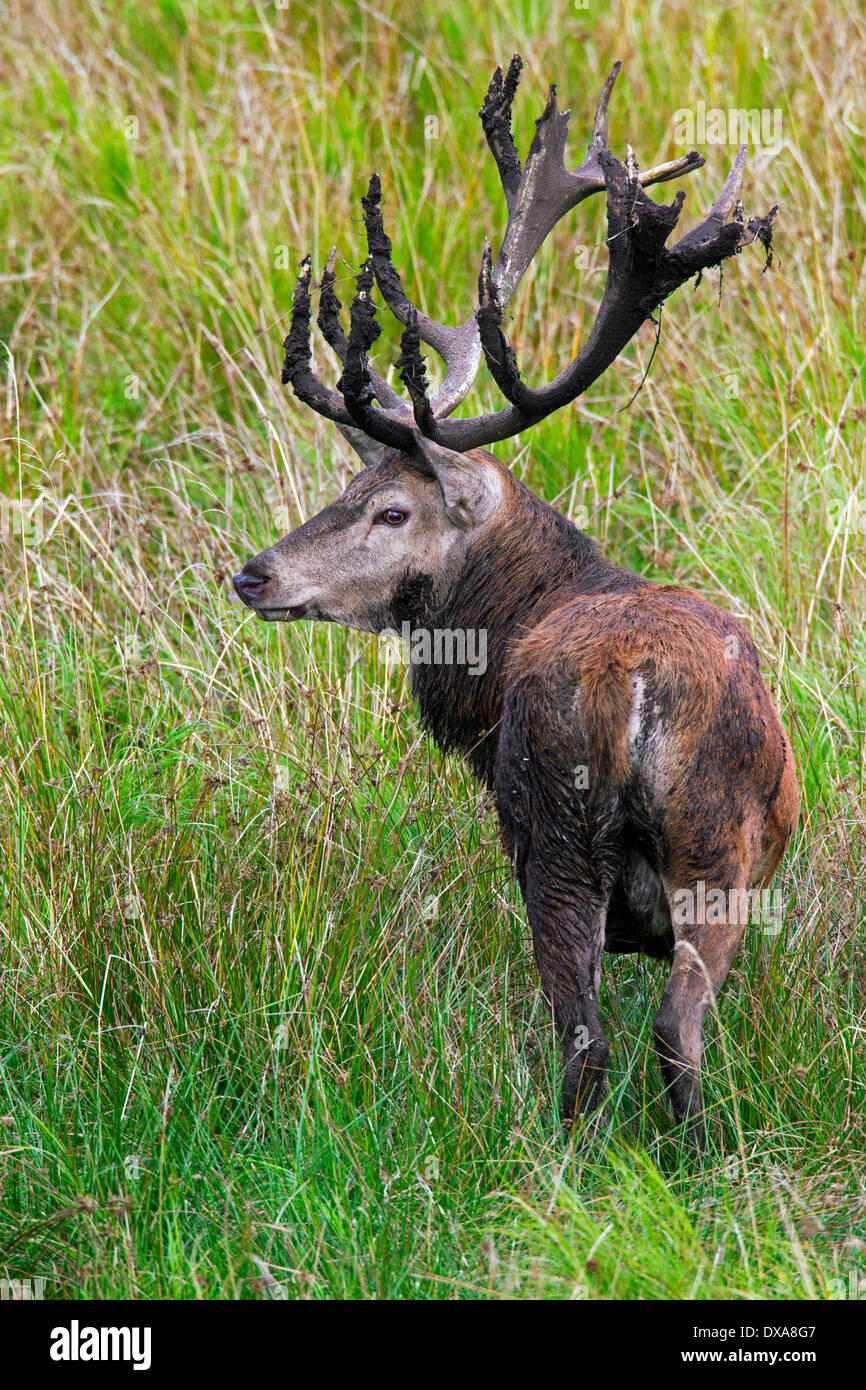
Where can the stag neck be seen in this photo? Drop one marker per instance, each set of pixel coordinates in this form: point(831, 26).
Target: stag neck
point(527, 562)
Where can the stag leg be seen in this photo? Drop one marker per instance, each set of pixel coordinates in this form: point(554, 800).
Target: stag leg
point(568, 937)
point(705, 945)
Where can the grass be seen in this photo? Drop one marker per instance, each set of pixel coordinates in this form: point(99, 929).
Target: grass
point(268, 1015)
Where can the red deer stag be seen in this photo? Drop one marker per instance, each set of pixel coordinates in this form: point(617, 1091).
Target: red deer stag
point(637, 759)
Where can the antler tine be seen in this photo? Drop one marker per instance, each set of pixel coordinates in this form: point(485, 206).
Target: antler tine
point(413, 374)
point(328, 319)
point(495, 116)
point(641, 274)
point(297, 365)
point(498, 352)
point(731, 190)
point(598, 139)
point(437, 335)
point(356, 384)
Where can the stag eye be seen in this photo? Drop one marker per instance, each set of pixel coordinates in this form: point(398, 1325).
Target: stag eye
point(392, 516)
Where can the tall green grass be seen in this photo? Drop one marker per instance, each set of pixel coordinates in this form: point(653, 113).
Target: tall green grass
point(268, 1015)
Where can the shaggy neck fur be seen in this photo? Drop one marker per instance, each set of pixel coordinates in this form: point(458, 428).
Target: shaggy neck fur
point(528, 561)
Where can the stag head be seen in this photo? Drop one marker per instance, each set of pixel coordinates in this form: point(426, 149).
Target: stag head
point(428, 487)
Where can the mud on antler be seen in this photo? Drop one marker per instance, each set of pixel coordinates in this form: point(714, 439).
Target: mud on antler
point(642, 272)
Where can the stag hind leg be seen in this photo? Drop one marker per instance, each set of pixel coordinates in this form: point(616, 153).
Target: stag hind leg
point(709, 914)
point(568, 938)
point(705, 945)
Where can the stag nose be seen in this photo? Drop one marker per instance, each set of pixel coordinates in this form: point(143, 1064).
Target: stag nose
point(249, 584)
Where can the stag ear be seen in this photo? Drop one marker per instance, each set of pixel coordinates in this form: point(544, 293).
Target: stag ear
point(368, 450)
point(471, 489)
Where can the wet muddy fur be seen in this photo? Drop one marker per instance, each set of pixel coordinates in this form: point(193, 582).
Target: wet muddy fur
point(634, 751)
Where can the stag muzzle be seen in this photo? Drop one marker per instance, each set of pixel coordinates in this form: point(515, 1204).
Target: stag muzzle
point(254, 588)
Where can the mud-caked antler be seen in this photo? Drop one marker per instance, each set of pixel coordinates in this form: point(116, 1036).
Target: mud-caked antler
point(642, 272)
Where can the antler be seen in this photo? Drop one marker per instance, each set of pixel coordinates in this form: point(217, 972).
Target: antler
point(642, 272)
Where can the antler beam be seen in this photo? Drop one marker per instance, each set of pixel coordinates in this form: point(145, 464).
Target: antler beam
point(642, 272)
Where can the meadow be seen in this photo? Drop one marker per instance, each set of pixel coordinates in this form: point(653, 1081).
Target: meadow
point(269, 1019)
